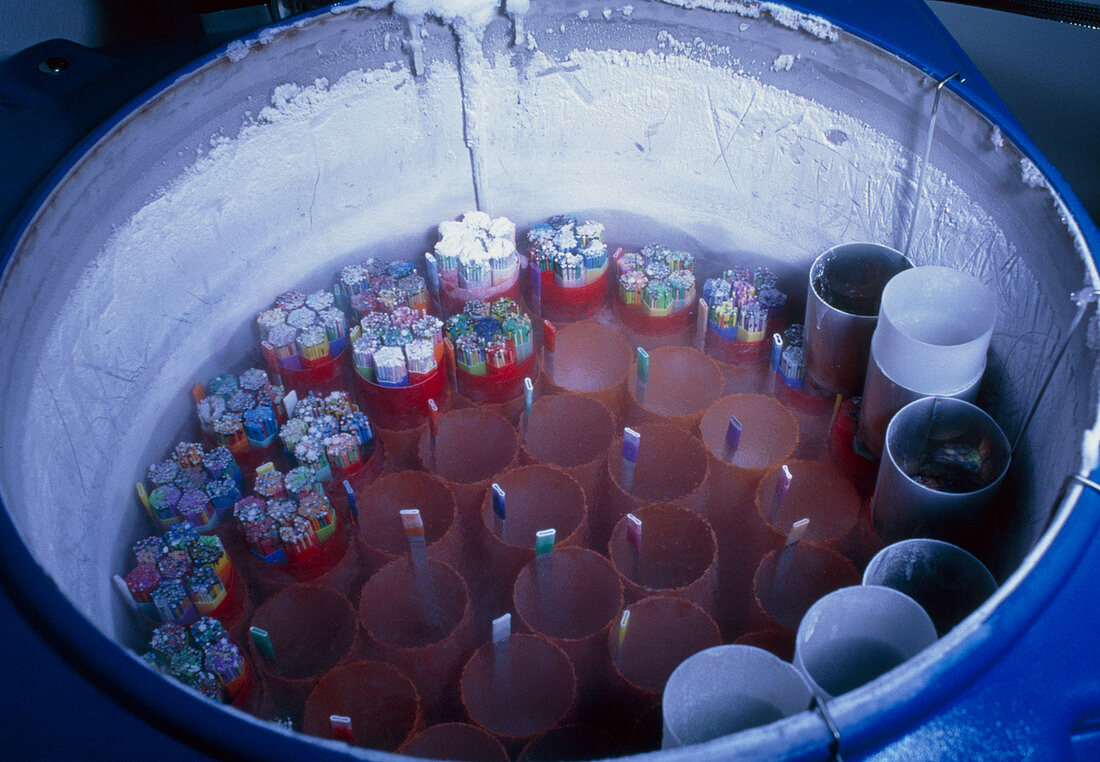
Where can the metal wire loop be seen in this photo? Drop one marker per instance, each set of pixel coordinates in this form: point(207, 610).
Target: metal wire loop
point(821, 704)
point(1085, 481)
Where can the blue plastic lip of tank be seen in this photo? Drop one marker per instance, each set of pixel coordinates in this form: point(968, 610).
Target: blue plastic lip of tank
point(18, 227)
point(209, 728)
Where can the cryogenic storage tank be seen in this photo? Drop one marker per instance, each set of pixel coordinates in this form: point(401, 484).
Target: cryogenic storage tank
point(730, 129)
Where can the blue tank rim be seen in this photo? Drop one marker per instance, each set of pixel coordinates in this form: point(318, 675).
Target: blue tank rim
point(215, 730)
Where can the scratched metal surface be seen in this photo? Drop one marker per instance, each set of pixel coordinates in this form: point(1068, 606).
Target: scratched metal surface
point(140, 273)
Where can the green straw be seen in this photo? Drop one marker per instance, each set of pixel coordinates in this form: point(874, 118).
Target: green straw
point(262, 641)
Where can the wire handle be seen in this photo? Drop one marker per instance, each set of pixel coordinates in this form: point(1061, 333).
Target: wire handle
point(927, 154)
point(821, 704)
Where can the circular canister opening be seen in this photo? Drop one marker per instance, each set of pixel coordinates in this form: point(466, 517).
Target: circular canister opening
point(676, 549)
point(944, 463)
point(789, 580)
point(380, 526)
point(380, 702)
point(726, 689)
point(403, 608)
point(472, 444)
point(671, 465)
point(817, 491)
point(576, 596)
point(591, 359)
point(536, 497)
point(842, 305)
point(500, 695)
point(681, 383)
point(850, 278)
point(934, 329)
point(943, 578)
point(768, 431)
point(855, 634)
point(568, 430)
point(661, 633)
point(311, 628)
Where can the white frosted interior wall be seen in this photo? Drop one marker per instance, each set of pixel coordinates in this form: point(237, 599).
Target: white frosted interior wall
point(325, 172)
point(742, 165)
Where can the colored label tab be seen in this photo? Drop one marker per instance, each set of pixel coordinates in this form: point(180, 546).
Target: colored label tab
point(544, 542)
point(622, 627)
point(262, 642)
point(413, 523)
point(733, 434)
point(502, 628)
point(632, 441)
point(549, 336)
point(498, 501)
point(634, 531)
point(643, 366)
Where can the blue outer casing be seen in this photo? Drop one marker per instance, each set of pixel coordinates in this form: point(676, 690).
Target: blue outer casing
point(1026, 686)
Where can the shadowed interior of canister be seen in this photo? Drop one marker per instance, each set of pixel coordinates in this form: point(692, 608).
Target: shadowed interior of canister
point(173, 244)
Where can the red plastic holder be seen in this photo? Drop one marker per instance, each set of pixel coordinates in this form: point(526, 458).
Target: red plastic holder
point(321, 376)
point(234, 607)
point(403, 407)
point(498, 385)
point(653, 325)
point(359, 477)
point(565, 304)
point(810, 399)
point(735, 352)
point(453, 297)
point(309, 566)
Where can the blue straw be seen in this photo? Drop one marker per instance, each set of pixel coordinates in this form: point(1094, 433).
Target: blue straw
point(733, 435)
point(351, 499)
